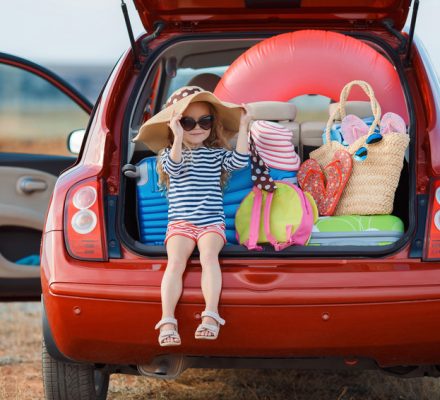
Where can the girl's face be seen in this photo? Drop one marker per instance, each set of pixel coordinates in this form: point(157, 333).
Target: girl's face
point(196, 136)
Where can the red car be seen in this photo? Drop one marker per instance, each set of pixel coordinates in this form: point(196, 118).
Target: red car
point(349, 303)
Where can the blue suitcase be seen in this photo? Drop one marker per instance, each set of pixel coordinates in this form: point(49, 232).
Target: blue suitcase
point(152, 205)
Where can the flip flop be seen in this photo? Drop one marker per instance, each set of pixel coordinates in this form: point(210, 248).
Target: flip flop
point(346, 164)
point(326, 186)
point(352, 128)
point(306, 166)
point(392, 122)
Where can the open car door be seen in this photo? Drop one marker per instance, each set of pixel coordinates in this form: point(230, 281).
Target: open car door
point(38, 110)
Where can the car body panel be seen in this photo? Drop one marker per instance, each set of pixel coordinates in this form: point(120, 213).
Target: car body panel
point(338, 301)
point(381, 308)
point(429, 85)
point(391, 333)
point(122, 277)
point(380, 331)
point(200, 15)
point(106, 122)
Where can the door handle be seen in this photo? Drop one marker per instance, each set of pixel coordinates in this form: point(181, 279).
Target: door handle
point(28, 185)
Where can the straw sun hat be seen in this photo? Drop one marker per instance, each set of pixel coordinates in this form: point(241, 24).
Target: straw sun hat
point(155, 132)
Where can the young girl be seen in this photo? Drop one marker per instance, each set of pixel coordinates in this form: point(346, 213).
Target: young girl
point(193, 166)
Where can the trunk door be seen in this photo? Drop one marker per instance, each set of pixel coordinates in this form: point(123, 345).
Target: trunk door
point(229, 15)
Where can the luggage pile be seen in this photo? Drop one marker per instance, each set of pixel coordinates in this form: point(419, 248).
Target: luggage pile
point(343, 195)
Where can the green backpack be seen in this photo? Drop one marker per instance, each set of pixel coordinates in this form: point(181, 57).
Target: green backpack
point(283, 218)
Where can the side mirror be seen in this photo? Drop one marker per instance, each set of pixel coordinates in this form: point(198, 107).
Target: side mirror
point(75, 140)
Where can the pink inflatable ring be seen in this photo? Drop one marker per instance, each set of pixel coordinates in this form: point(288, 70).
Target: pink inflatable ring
point(311, 62)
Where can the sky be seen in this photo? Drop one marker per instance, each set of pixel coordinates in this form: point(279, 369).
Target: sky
point(93, 31)
point(66, 31)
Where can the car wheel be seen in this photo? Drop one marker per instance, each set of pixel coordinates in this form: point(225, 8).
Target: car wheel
point(72, 381)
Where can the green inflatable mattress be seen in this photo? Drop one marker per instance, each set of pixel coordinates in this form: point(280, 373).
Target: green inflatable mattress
point(356, 230)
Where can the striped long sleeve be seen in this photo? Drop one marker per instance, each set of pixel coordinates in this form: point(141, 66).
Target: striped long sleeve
point(195, 193)
point(234, 160)
point(169, 166)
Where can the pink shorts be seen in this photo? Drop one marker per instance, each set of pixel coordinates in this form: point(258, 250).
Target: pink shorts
point(184, 228)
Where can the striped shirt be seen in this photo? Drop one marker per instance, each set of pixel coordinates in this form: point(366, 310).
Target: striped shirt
point(195, 194)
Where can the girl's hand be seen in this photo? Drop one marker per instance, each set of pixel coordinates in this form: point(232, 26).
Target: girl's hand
point(175, 126)
point(245, 117)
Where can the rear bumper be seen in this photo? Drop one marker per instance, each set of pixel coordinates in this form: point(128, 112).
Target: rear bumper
point(385, 310)
point(121, 332)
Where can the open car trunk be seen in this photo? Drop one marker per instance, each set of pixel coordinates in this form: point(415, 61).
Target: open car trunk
point(182, 62)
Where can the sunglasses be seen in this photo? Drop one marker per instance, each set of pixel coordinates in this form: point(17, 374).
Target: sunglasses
point(189, 123)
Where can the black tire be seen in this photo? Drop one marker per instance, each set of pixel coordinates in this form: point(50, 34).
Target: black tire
point(72, 381)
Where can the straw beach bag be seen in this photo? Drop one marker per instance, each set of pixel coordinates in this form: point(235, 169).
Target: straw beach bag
point(377, 162)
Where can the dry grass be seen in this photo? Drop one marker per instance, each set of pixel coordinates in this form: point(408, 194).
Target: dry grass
point(275, 385)
point(39, 132)
point(20, 375)
point(20, 338)
point(41, 123)
point(56, 146)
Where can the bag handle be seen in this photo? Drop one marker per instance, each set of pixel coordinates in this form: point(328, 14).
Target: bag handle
point(254, 228)
point(375, 107)
point(302, 233)
point(266, 221)
point(366, 87)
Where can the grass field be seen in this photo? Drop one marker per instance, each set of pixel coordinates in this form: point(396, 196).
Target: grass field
point(39, 132)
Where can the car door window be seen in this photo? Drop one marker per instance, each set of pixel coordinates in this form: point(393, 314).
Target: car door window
point(35, 116)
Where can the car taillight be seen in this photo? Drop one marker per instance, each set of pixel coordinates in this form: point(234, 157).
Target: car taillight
point(84, 226)
point(432, 237)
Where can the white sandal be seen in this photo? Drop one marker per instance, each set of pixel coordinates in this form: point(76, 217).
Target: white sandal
point(213, 329)
point(168, 333)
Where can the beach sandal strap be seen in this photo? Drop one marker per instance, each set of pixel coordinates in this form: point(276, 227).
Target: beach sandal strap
point(213, 315)
point(168, 333)
point(208, 327)
point(166, 320)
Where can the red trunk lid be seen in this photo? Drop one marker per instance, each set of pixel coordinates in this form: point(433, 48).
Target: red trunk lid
point(228, 15)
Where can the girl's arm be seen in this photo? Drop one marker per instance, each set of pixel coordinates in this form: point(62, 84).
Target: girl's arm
point(242, 139)
point(171, 159)
point(176, 128)
point(239, 158)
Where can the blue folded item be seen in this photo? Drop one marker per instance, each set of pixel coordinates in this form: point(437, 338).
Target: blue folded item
point(336, 134)
point(152, 204)
point(32, 260)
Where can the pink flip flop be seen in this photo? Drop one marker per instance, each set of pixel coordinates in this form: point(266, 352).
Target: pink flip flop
point(392, 122)
point(352, 128)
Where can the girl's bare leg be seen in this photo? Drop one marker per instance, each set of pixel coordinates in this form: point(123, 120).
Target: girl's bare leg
point(209, 246)
point(179, 248)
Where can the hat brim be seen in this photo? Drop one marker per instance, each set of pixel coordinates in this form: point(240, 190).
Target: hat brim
point(155, 132)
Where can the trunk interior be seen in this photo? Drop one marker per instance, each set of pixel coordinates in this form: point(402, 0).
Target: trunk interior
point(201, 62)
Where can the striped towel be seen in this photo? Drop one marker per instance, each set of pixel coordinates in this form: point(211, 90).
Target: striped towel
point(274, 144)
